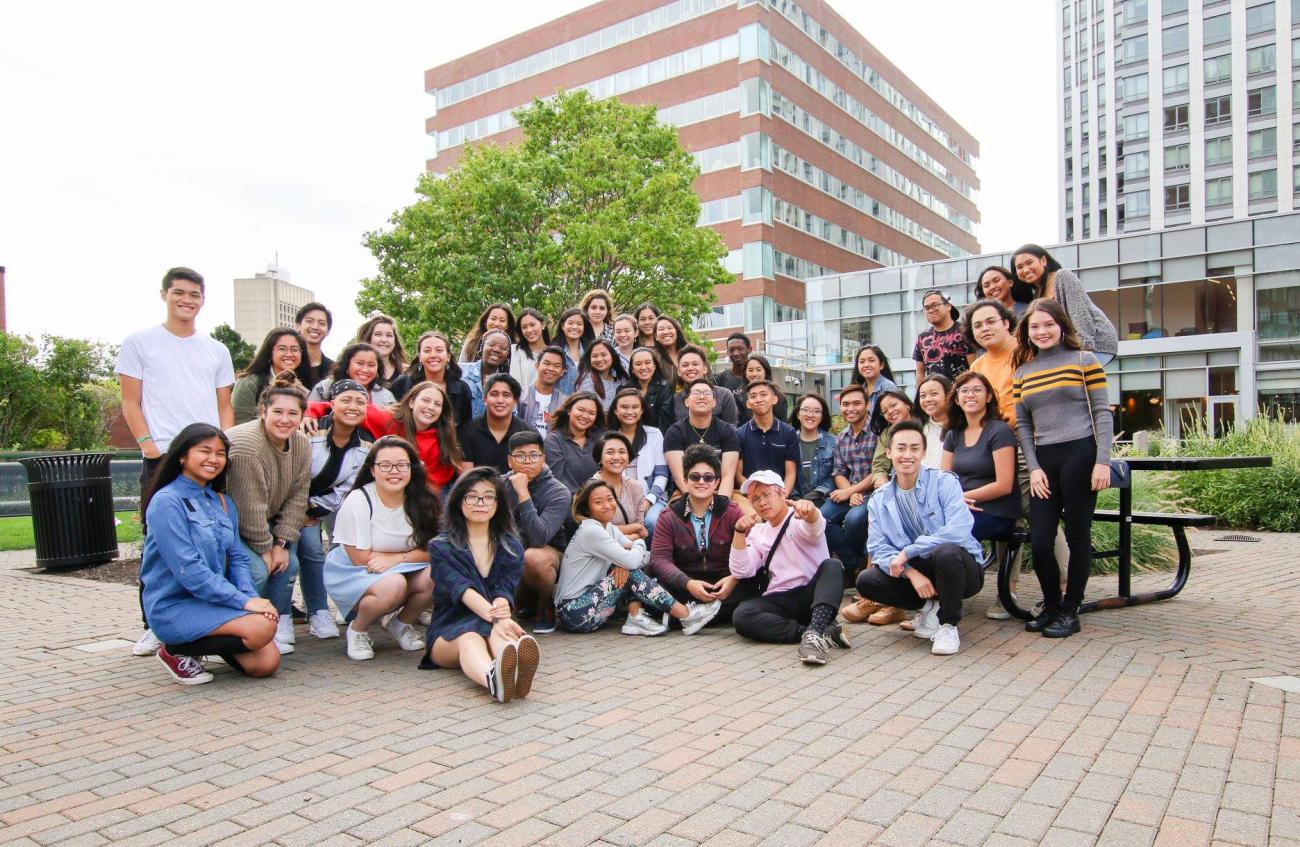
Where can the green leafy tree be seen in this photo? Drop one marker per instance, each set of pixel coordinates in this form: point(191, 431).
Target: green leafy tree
point(597, 195)
point(241, 352)
point(52, 393)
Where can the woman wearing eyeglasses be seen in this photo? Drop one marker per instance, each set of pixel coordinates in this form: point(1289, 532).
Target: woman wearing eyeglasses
point(943, 348)
point(380, 560)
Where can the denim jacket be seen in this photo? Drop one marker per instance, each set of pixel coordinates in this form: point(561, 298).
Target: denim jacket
point(945, 518)
point(820, 478)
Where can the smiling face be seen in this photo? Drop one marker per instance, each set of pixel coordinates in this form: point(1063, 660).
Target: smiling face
point(810, 415)
point(973, 397)
point(988, 327)
point(700, 400)
point(931, 398)
point(598, 310)
point(666, 333)
point(690, 366)
point(496, 349)
point(643, 365)
point(645, 322)
point(1044, 331)
point(602, 505)
point(392, 469)
point(754, 370)
point(350, 408)
point(601, 360)
point(1029, 267)
point(893, 410)
point(628, 410)
point(869, 364)
point(426, 407)
point(204, 461)
point(853, 407)
point(625, 333)
point(383, 337)
point(996, 286)
point(760, 400)
point(499, 402)
point(937, 311)
point(281, 417)
point(480, 503)
point(184, 298)
point(314, 326)
point(737, 351)
point(582, 416)
point(363, 367)
point(573, 327)
point(702, 481)
point(550, 367)
point(285, 355)
point(434, 356)
point(613, 456)
point(497, 319)
point(906, 450)
point(530, 328)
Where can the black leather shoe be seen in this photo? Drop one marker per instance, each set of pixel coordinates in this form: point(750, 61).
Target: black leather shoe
point(1065, 625)
point(1040, 621)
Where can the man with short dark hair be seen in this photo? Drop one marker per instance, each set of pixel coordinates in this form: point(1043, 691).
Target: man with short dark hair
point(313, 323)
point(691, 366)
point(544, 396)
point(700, 426)
point(919, 540)
point(172, 376)
point(845, 508)
point(738, 350)
point(486, 441)
point(540, 504)
point(765, 442)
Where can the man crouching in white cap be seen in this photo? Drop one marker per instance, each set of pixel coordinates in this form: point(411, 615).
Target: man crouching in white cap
point(784, 544)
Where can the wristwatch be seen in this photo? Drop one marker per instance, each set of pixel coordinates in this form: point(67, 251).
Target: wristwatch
point(282, 544)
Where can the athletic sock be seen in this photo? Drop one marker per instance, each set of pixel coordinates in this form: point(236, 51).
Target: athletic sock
point(821, 616)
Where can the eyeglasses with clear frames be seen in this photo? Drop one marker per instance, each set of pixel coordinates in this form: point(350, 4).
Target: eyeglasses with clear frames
point(527, 458)
point(390, 467)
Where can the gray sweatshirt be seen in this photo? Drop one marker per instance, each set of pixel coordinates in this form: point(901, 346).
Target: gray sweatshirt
point(591, 551)
point(1094, 329)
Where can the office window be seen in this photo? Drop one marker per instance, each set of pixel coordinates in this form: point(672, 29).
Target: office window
point(1218, 29)
point(1067, 107)
point(1135, 11)
point(1069, 136)
point(1218, 151)
point(1178, 198)
point(1261, 101)
point(1083, 102)
point(1218, 69)
point(1087, 225)
point(1101, 190)
point(1263, 185)
point(1262, 142)
point(1134, 49)
point(1084, 162)
point(1133, 87)
point(1172, 7)
point(1099, 34)
point(756, 206)
point(1137, 204)
point(1069, 167)
point(1295, 50)
point(1259, 18)
point(1295, 95)
point(1178, 157)
point(1295, 179)
point(1218, 109)
point(755, 97)
point(1176, 117)
point(1262, 59)
point(756, 151)
point(1174, 40)
point(1295, 137)
point(1101, 100)
point(1082, 69)
point(1176, 79)
point(1069, 199)
point(1135, 126)
point(1065, 47)
point(1218, 192)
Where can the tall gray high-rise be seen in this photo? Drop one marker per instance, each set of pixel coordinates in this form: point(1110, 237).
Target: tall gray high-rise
point(1175, 112)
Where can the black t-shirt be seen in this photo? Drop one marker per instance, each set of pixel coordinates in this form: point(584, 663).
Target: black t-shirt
point(719, 434)
point(974, 465)
point(482, 448)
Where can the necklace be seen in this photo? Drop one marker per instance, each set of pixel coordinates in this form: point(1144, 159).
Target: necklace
point(698, 434)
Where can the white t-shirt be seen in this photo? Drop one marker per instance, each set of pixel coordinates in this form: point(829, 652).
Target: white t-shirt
point(543, 403)
point(179, 378)
point(386, 531)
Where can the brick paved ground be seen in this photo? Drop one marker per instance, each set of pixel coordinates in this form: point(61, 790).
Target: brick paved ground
point(1143, 730)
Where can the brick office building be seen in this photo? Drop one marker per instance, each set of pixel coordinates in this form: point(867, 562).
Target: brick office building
point(816, 154)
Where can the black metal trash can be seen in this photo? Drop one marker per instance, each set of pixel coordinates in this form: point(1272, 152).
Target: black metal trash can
point(72, 509)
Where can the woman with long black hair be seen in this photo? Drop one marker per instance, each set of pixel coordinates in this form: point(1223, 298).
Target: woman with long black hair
point(601, 372)
point(195, 585)
point(871, 370)
point(477, 562)
point(380, 332)
point(1000, 285)
point(572, 335)
point(358, 362)
point(434, 364)
point(1035, 267)
point(534, 337)
point(646, 314)
point(282, 350)
point(649, 381)
point(495, 316)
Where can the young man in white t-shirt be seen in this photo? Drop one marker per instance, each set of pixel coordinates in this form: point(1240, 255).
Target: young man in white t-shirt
point(173, 376)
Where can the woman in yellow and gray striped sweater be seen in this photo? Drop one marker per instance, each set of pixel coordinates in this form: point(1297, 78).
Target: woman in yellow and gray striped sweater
point(1064, 427)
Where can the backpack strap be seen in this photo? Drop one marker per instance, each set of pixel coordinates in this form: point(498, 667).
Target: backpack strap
point(369, 503)
point(764, 574)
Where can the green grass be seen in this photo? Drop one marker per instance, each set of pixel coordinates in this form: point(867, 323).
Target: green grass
point(16, 533)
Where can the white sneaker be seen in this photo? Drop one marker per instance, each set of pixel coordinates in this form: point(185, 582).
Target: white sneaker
point(147, 645)
point(426, 617)
point(359, 646)
point(405, 635)
point(996, 612)
point(321, 624)
point(946, 641)
point(699, 614)
point(284, 637)
point(339, 619)
point(927, 620)
point(643, 624)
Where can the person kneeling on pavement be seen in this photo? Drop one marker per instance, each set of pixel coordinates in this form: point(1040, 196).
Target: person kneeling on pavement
point(784, 545)
point(919, 542)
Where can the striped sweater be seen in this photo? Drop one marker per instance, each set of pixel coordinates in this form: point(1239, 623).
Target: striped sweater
point(1060, 396)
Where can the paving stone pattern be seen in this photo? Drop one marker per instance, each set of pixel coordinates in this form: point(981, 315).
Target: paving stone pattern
point(1142, 730)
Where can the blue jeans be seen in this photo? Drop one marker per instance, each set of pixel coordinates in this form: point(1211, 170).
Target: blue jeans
point(652, 518)
point(846, 532)
point(278, 588)
point(311, 568)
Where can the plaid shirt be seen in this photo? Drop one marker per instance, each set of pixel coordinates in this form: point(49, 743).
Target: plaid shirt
point(853, 455)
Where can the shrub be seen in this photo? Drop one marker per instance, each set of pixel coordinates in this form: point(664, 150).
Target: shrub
point(1246, 498)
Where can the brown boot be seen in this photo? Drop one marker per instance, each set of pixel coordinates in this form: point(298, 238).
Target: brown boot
point(859, 610)
point(887, 615)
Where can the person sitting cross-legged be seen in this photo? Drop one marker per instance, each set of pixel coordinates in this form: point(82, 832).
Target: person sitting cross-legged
point(540, 505)
point(787, 539)
point(919, 542)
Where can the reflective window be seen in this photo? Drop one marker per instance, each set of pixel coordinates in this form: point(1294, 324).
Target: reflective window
point(1262, 142)
point(1178, 157)
point(1218, 192)
point(1263, 185)
point(1218, 69)
point(1174, 40)
point(1217, 29)
point(1218, 150)
point(1259, 18)
point(1261, 101)
point(1176, 79)
point(757, 206)
point(1262, 59)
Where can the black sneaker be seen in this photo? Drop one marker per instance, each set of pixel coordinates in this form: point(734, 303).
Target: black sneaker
point(545, 623)
point(836, 635)
point(1065, 625)
point(1040, 621)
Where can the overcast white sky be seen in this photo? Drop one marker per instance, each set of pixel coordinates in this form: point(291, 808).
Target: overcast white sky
point(144, 135)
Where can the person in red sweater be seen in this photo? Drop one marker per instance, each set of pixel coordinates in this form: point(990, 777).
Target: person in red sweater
point(421, 417)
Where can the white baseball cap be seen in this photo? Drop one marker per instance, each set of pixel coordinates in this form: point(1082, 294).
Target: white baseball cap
point(763, 478)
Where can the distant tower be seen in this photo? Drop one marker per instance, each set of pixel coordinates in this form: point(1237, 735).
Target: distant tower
point(265, 301)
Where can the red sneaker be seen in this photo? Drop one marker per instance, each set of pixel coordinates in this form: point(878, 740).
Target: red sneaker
point(186, 670)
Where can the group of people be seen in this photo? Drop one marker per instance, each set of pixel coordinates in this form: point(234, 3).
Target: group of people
point(606, 470)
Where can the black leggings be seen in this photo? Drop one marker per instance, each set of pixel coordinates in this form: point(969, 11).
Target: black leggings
point(1069, 476)
point(225, 646)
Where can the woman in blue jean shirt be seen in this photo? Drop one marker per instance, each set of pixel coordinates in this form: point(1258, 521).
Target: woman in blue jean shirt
point(812, 417)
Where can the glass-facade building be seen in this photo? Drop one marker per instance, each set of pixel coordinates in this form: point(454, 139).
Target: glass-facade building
point(1175, 112)
point(1208, 318)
